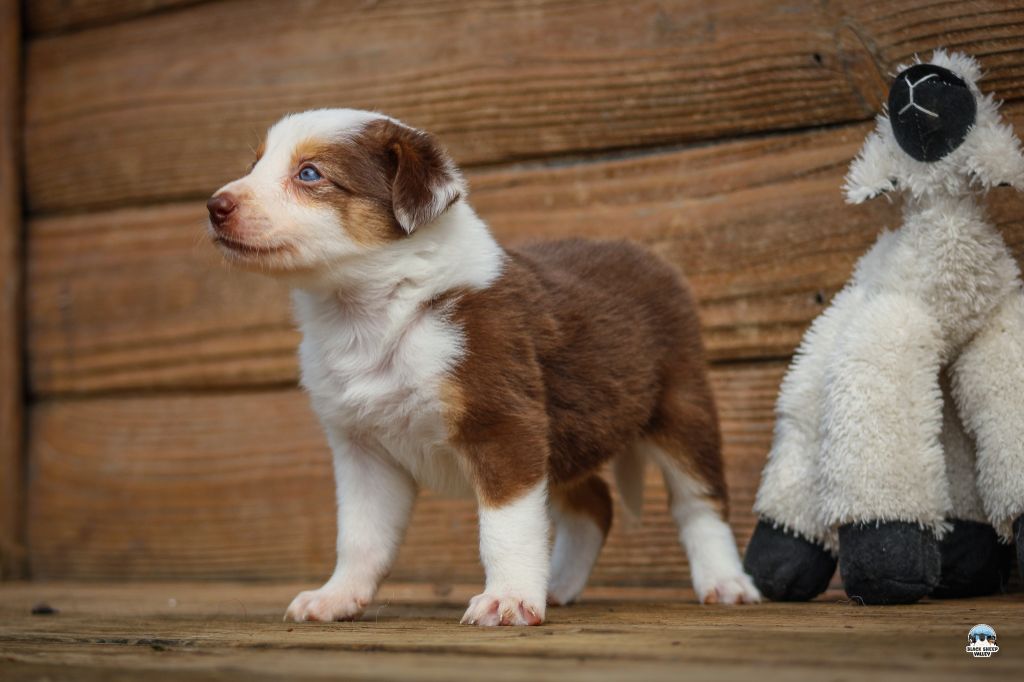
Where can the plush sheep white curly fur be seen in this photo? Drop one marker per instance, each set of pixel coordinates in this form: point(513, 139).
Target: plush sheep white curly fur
point(905, 401)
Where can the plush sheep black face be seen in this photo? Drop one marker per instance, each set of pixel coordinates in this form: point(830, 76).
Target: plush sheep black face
point(931, 110)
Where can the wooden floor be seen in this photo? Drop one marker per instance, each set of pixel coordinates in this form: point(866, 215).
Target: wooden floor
point(219, 631)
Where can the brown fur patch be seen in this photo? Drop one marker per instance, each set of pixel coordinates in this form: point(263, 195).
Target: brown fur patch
point(590, 497)
point(375, 176)
point(423, 168)
point(355, 187)
point(577, 351)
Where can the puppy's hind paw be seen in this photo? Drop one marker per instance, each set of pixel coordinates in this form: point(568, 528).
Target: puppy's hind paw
point(488, 610)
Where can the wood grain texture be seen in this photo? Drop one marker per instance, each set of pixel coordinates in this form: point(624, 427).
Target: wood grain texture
point(51, 16)
point(239, 486)
point(228, 632)
point(168, 106)
point(136, 298)
point(12, 480)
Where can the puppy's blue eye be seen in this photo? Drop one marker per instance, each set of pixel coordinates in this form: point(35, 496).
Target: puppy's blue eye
point(309, 174)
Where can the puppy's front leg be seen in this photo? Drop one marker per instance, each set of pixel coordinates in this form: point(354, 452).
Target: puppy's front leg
point(375, 500)
point(515, 554)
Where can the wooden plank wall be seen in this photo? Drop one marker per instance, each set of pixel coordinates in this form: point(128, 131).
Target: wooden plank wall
point(12, 473)
point(166, 436)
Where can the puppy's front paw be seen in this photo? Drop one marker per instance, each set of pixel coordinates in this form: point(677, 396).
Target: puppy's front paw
point(735, 589)
point(490, 609)
point(327, 604)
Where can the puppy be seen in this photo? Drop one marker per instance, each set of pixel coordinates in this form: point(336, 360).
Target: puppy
point(435, 357)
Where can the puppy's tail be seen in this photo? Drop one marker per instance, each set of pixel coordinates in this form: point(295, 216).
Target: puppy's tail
point(628, 470)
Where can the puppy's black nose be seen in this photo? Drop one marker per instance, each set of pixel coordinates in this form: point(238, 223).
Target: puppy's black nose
point(220, 207)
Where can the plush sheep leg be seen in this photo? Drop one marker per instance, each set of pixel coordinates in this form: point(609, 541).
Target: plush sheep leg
point(787, 556)
point(1018, 535)
point(987, 381)
point(974, 561)
point(988, 378)
point(883, 471)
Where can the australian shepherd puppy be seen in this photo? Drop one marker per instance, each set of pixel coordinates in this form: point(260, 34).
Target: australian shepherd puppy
point(435, 357)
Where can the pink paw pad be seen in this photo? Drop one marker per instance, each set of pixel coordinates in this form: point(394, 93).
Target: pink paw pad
point(488, 610)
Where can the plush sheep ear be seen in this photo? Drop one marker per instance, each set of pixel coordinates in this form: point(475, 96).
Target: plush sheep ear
point(873, 172)
point(426, 181)
point(995, 157)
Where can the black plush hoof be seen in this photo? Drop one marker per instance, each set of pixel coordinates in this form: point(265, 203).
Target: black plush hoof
point(974, 562)
point(786, 567)
point(891, 562)
point(1018, 538)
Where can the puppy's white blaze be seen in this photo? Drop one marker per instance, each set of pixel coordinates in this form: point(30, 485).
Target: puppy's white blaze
point(514, 546)
point(578, 541)
point(315, 124)
point(715, 567)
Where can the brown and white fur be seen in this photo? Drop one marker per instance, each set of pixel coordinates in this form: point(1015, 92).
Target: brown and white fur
point(435, 357)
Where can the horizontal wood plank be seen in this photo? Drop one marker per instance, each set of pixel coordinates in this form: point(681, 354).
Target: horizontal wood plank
point(239, 486)
point(136, 299)
point(169, 106)
point(51, 16)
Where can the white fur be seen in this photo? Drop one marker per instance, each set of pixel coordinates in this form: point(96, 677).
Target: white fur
point(578, 542)
point(961, 461)
point(987, 384)
point(375, 499)
point(715, 568)
point(514, 550)
point(865, 429)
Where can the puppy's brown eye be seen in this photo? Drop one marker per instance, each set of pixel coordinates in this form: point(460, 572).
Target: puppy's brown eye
point(309, 174)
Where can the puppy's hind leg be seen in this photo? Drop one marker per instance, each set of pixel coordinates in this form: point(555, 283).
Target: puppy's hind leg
point(684, 441)
point(582, 513)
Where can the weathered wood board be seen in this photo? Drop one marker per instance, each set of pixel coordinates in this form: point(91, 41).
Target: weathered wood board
point(137, 298)
point(12, 499)
point(239, 486)
point(49, 16)
point(216, 631)
point(167, 106)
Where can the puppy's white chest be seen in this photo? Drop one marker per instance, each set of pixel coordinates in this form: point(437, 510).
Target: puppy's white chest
point(378, 381)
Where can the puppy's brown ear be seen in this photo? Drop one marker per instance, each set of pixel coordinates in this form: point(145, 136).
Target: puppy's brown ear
point(426, 181)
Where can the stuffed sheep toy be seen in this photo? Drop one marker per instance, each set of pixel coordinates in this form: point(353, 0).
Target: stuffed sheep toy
point(899, 440)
